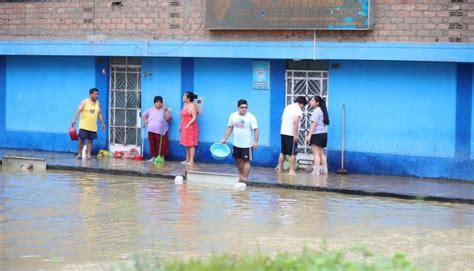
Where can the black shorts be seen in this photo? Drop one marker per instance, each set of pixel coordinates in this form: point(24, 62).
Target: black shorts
point(288, 147)
point(86, 134)
point(245, 154)
point(320, 140)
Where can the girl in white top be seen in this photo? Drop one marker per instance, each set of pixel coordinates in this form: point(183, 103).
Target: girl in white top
point(317, 135)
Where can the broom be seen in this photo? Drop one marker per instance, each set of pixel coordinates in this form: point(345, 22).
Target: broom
point(342, 170)
point(159, 159)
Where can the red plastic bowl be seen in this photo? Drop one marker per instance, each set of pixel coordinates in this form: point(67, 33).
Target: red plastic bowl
point(72, 133)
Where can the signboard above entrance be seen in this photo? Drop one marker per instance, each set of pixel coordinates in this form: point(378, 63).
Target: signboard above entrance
point(288, 14)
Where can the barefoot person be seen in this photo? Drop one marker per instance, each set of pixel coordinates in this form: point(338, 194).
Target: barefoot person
point(188, 127)
point(89, 111)
point(290, 123)
point(242, 123)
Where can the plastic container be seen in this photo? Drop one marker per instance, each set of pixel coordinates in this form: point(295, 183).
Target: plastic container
point(72, 133)
point(220, 151)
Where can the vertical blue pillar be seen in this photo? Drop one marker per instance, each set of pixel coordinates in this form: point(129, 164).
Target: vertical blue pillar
point(463, 111)
point(3, 96)
point(102, 77)
point(187, 75)
point(277, 100)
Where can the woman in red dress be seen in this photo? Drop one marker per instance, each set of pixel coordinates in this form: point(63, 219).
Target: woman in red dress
point(189, 127)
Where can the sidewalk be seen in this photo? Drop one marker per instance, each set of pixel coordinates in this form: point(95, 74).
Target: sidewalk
point(369, 185)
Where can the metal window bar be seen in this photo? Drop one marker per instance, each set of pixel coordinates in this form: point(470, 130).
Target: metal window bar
point(125, 66)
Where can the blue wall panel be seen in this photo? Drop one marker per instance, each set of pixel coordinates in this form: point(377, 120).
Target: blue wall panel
point(277, 106)
point(41, 96)
point(221, 83)
point(463, 111)
point(403, 108)
point(43, 92)
point(402, 118)
point(472, 112)
point(3, 93)
point(187, 75)
point(164, 79)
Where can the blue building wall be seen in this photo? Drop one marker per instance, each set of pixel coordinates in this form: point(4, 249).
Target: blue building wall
point(41, 95)
point(394, 107)
point(400, 118)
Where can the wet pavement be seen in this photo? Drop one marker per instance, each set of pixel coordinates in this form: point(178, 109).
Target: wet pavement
point(369, 185)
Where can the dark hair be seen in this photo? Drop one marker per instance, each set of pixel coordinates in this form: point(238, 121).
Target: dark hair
point(191, 96)
point(92, 90)
point(301, 100)
point(158, 99)
point(241, 102)
point(322, 105)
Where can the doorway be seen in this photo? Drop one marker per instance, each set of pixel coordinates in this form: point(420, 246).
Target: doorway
point(305, 83)
point(125, 104)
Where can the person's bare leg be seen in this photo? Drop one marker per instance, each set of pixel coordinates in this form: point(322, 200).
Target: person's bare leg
point(245, 170)
point(324, 161)
point(191, 156)
point(238, 163)
point(187, 156)
point(292, 164)
point(316, 159)
point(89, 149)
point(281, 160)
point(81, 146)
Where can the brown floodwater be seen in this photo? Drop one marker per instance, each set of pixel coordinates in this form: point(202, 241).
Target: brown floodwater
point(84, 221)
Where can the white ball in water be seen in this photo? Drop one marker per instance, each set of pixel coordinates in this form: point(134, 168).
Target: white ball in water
point(178, 180)
point(240, 186)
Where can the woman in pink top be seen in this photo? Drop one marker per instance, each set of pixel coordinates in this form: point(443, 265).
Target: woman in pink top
point(189, 127)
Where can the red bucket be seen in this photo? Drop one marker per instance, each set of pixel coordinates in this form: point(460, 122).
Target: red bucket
point(72, 133)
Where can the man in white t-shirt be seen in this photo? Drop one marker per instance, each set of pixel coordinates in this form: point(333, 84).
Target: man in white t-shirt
point(242, 123)
point(290, 123)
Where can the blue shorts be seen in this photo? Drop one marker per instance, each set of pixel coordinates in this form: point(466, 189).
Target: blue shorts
point(86, 134)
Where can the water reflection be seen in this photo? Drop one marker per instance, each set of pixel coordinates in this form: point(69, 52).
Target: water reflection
point(64, 219)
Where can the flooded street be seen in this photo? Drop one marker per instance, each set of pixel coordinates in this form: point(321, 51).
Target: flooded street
point(73, 220)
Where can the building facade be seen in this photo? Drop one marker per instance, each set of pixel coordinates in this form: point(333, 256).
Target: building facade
point(406, 83)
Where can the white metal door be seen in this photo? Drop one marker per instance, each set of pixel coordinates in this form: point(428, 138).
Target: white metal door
point(125, 104)
point(301, 83)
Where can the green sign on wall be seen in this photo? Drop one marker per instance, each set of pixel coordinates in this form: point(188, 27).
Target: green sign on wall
point(288, 14)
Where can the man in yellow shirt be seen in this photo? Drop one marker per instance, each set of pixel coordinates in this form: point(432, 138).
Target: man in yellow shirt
point(89, 110)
